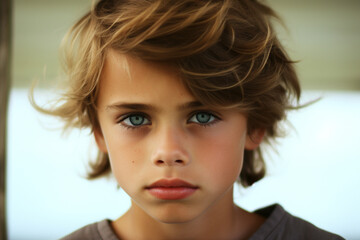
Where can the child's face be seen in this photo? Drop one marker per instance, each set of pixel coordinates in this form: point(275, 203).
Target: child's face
point(154, 129)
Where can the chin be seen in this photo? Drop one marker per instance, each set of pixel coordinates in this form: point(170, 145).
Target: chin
point(174, 215)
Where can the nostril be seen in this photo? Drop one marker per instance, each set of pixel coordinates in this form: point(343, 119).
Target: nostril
point(173, 162)
point(159, 161)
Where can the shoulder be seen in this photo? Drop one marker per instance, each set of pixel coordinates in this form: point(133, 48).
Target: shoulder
point(95, 231)
point(280, 224)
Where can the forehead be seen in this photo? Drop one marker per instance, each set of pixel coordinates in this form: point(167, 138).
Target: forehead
point(130, 79)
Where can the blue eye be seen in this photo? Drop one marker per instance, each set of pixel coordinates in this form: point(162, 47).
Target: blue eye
point(203, 118)
point(135, 120)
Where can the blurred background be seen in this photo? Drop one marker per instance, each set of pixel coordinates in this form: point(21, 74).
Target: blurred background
point(314, 175)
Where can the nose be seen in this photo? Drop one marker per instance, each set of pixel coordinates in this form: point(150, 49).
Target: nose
point(170, 148)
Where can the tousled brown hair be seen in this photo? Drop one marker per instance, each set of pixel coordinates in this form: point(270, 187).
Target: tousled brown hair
point(226, 51)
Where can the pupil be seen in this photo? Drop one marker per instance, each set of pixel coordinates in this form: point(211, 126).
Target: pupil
point(203, 117)
point(136, 120)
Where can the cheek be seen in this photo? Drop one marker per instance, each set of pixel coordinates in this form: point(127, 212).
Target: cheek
point(126, 155)
point(221, 156)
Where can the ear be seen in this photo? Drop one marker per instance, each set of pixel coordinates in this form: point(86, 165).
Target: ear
point(100, 141)
point(254, 139)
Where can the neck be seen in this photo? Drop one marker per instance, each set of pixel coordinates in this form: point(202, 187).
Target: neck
point(224, 220)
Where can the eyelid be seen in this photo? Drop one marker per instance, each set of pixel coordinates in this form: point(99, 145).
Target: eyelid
point(121, 117)
point(215, 114)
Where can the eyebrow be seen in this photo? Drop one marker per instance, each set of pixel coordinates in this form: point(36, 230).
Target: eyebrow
point(147, 107)
point(191, 105)
point(131, 106)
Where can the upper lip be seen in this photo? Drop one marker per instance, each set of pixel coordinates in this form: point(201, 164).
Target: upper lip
point(171, 183)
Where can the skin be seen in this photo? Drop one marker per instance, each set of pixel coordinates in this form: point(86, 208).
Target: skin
point(170, 142)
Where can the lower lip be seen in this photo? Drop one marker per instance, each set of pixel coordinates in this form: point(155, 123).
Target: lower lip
point(171, 193)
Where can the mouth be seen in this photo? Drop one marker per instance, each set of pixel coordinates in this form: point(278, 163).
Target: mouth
point(171, 189)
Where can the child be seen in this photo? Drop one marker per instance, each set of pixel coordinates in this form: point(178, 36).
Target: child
point(180, 96)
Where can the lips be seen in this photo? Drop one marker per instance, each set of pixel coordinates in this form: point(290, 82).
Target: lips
point(171, 189)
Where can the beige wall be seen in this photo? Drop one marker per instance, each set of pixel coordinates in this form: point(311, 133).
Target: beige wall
point(323, 35)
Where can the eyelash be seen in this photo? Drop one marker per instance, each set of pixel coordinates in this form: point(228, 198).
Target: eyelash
point(123, 118)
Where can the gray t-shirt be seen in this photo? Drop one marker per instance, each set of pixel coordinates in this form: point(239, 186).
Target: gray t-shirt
point(279, 224)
